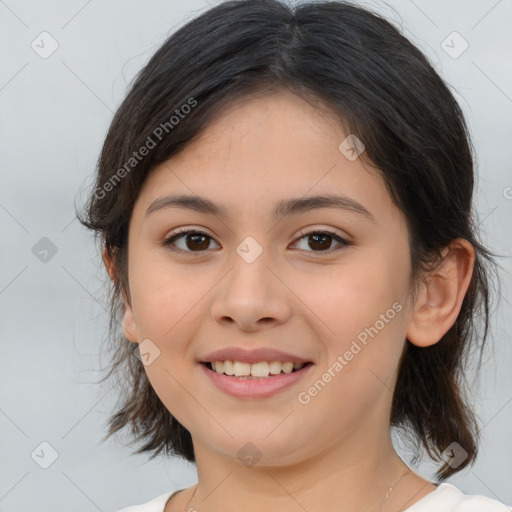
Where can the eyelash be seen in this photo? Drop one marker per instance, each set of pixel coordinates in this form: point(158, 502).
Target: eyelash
point(168, 242)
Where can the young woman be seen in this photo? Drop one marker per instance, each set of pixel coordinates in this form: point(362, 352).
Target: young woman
point(284, 201)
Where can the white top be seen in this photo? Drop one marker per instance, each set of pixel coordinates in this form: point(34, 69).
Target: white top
point(446, 498)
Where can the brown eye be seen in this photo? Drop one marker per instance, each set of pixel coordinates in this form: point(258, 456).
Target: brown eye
point(194, 241)
point(321, 241)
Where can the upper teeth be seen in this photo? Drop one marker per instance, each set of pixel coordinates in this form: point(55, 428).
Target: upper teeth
point(261, 369)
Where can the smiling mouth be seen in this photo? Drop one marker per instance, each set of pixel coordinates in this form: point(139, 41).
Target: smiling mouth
point(261, 370)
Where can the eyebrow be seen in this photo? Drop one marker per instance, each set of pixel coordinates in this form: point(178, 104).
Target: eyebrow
point(282, 208)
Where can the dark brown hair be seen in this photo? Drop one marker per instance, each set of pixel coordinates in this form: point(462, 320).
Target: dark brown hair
point(385, 92)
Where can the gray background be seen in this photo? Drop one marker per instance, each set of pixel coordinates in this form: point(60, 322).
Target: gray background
point(54, 114)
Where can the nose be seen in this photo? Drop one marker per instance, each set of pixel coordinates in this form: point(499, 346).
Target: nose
point(252, 296)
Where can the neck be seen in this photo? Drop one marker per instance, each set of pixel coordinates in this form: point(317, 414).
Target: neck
point(346, 476)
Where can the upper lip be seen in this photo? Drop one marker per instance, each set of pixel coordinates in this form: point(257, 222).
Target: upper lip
point(251, 356)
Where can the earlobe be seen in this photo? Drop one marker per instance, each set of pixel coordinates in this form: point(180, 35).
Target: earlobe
point(129, 326)
point(440, 298)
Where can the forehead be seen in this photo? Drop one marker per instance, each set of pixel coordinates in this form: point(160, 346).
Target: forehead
point(265, 149)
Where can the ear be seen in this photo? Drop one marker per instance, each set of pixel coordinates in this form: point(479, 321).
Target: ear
point(439, 300)
point(109, 263)
point(129, 327)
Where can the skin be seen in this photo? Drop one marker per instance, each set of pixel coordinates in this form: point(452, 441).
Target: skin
point(335, 452)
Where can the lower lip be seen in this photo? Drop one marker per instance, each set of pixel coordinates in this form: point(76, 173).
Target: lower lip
point(255, 388)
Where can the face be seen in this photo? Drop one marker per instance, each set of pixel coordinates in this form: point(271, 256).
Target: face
point(328, 285)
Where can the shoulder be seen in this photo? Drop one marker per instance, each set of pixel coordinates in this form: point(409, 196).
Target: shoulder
point(155, 505)
point(448, 498)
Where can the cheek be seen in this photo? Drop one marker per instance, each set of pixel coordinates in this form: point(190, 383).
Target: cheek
point(361, 308)
point(162, 295)
point(351, 297)
point(168, 310)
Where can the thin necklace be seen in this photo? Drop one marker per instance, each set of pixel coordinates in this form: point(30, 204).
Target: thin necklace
point(391, 489)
